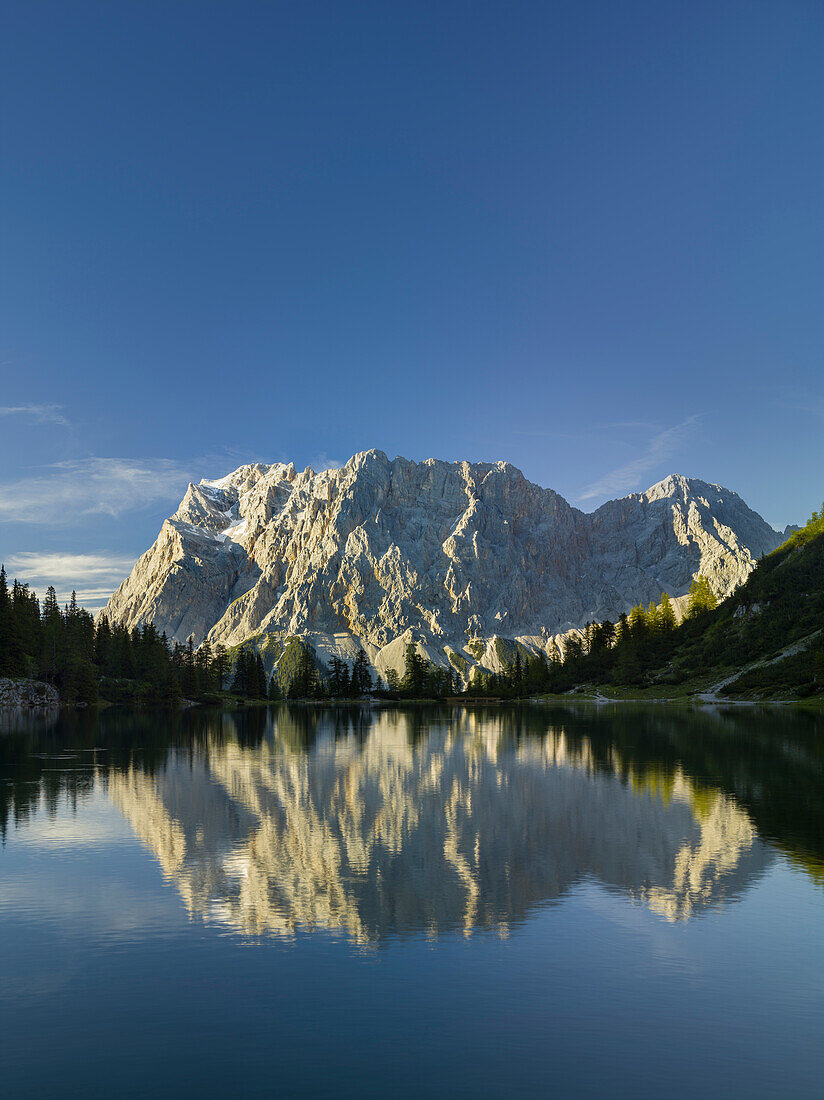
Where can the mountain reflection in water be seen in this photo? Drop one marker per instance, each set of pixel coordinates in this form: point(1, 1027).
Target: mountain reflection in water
point(388, 827)
point(413, 901)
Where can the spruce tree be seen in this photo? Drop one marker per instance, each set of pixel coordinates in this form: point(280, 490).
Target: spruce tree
point(638, 624)
point(702, 597)
point(361, 675)
point(12, 652)
point(335, 676)
point(666, 615)
point(415, 672)
point(240, 682)
point(221, 666)
point(261, 691)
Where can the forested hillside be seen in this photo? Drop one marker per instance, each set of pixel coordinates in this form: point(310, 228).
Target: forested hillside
point(765, 640)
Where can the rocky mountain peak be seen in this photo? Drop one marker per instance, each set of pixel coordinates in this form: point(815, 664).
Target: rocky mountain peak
point(445, 552)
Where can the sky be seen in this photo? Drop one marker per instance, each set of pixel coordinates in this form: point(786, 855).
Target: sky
point(583, 237)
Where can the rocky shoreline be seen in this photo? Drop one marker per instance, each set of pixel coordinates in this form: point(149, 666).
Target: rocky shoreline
point(27, 695)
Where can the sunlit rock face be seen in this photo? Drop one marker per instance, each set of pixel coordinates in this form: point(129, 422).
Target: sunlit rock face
point(462, 831)
point(381, 551)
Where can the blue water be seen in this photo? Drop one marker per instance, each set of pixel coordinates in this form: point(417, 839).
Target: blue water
point(491, 903)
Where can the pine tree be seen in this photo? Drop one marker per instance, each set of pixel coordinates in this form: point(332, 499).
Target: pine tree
point(221, 666)
point(205, 666)
point(261, 691)
point(638, 624)
point(189, 680)
point(334, 676)
point(240, 682)
point(51, 630)
point(702, 597)
point(415, 672)
point(103, 632)
point(12, 653)
point(303, 684)
point(666, 615)
point(361, 675)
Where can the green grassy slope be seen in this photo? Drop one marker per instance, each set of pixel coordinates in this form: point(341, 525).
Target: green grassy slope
point(772, 622)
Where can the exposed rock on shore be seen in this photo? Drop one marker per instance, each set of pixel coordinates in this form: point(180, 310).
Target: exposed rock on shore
point(27, 694)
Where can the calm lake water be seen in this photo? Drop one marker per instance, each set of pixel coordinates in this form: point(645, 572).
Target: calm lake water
point(615, 901)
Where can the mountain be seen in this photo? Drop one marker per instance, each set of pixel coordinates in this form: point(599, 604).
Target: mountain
point(455, 556)
point(765, 641)
point(773, 628)
point(768, 640)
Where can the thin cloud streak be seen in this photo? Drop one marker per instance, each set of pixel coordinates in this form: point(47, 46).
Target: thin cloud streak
point(67, 493)
point(627, 477)
point(41, 414)
point(70, 569)
point(93, 576)
point(76, 489)
point(321, 462)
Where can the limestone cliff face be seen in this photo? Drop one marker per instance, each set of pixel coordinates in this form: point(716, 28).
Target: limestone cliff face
point(380, 551)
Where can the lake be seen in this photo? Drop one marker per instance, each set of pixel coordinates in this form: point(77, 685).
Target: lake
point(619, 901)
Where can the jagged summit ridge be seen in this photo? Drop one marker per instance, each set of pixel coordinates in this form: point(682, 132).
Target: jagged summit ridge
point(446, 552)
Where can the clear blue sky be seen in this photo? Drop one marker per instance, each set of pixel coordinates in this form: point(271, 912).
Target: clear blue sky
point(587, 238)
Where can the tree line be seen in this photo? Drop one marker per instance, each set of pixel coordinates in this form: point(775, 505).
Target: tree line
point(85, 659)
point(620, 653)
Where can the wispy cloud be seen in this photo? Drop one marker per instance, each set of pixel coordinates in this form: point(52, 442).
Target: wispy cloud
point(93, 576)
point(41, 414)
point(323, 462)
point(67, 492)
point(627, 477)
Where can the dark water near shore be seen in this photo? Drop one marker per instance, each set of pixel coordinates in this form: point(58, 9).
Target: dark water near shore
point(609, 901)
